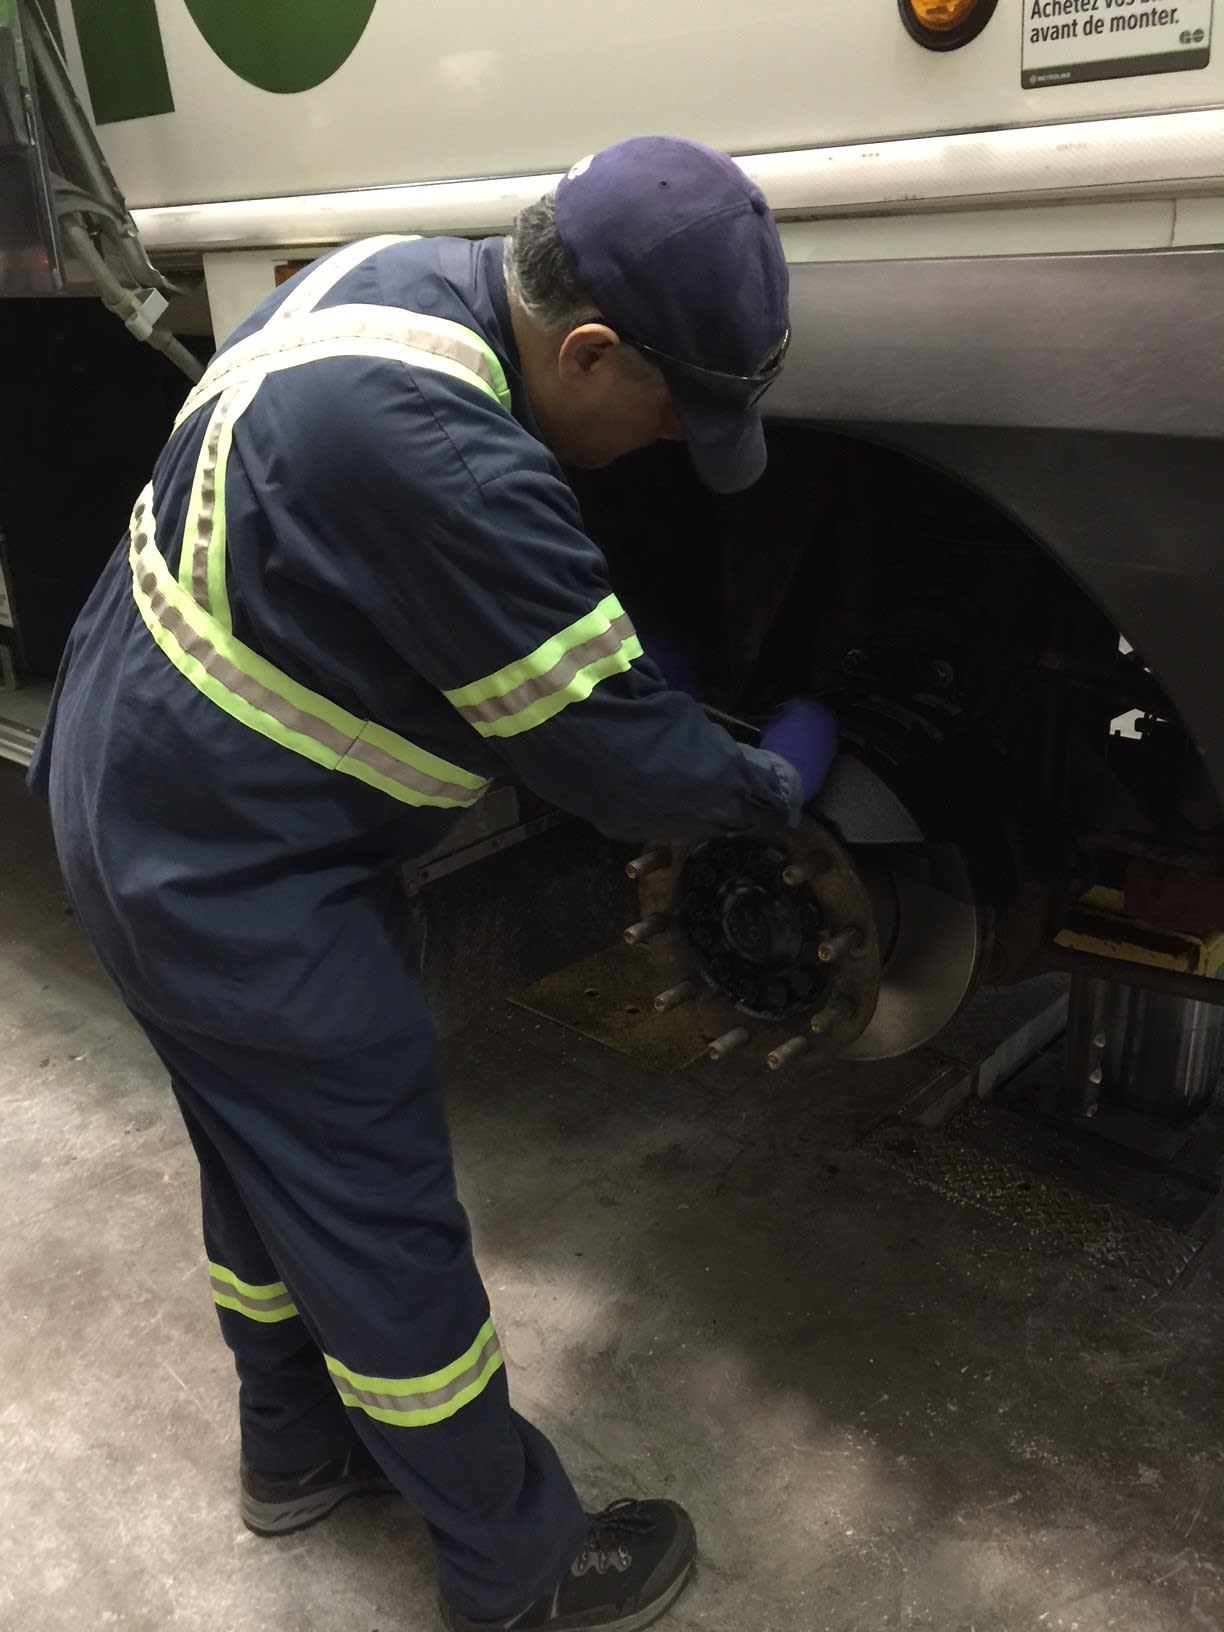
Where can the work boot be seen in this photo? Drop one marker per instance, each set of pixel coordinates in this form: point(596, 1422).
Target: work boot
point(279, 1504)
point(637, 1557)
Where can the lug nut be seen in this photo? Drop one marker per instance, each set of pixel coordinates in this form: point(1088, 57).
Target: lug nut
point(650, 861)
point(727, 1044)
point(646, 930)
point(786, 1052)
point(836, 946)
point(836, 1009)
point(674, 996)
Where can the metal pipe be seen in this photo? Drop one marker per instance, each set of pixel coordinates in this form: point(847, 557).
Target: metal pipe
point(786, 1052)
point(1173, 982)
point(727, 1043)
point(646, 929)
point(674, 996)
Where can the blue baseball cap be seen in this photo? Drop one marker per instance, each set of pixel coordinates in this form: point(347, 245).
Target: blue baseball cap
point(678, 249)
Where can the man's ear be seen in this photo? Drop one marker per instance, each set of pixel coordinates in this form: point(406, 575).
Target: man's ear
point(585, 348)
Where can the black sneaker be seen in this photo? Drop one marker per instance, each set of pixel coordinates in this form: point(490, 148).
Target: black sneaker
point(279, 1506)
point(637, 1558)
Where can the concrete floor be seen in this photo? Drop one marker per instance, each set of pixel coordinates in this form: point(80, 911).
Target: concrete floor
point(883, 1413)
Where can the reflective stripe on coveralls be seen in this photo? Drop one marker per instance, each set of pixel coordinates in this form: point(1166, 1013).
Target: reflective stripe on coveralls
point(564, 670)
point(404, 1402)
point(416, 1402)
point(267, 1304)
point(191, 620)
point(310, 287)
point(257, 694)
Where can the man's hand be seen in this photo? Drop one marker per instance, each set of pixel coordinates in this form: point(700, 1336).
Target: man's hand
point(805, 733)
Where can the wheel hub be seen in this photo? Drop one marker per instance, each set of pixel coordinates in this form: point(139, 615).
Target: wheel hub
point(811, 951)
point(754, 938)
point(782, 934)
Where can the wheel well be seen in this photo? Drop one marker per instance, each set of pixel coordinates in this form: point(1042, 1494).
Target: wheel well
point(864, 573)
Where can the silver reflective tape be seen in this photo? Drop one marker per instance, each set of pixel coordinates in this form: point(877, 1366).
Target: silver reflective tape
point(377, 759)
point(310, 287)
point(259, 1306)
point(435, 1399)
point(207, 508)
point(558, 679)
point(148, 569)
point(273, 346)
point(234, 679)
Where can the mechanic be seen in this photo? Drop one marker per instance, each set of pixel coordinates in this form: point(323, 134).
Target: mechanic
point(356, 589)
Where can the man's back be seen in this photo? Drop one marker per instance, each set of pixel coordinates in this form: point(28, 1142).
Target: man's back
point(217, 850)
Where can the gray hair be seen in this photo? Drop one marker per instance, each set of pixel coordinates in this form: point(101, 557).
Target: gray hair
point(540, 272)
point(540, 275)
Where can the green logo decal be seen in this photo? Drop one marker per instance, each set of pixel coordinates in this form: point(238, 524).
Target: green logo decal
point(125, 66)
point(282, 45)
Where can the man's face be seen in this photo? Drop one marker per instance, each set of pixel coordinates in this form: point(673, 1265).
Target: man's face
point(599, 401)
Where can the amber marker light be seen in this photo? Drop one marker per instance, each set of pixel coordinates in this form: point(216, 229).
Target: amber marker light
point(945, 25)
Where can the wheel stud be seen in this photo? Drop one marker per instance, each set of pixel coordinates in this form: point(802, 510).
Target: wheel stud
point(674, 996)
point(836, 946)
point(786, 1052)
point(646, 930)
point(838, 1008)
point(727, 1043)
point(650, 861)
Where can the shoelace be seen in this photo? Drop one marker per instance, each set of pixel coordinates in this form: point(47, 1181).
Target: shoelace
point(607, 1534)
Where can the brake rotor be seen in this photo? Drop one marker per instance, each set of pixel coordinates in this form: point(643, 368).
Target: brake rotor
point(931, 927)
point(811, 949)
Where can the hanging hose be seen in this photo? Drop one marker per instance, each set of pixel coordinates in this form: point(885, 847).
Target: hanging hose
point(78, 152)
point(139, 310)
point(89, 204)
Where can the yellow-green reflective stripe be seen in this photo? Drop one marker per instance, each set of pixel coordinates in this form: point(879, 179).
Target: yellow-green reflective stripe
point(564, 670)
point(415, 1402)
point(258, 695)
point(416, 339)
point(577, 689)
point(540, 662)
point(269, 1303)
point(265, 1317)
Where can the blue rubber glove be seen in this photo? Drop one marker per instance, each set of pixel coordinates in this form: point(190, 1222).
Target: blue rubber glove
point(805, 734)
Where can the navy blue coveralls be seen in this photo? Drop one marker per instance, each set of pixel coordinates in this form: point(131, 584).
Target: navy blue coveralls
point(356, 589)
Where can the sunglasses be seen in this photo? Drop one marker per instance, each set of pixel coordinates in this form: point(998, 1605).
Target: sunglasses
point(744, 390)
